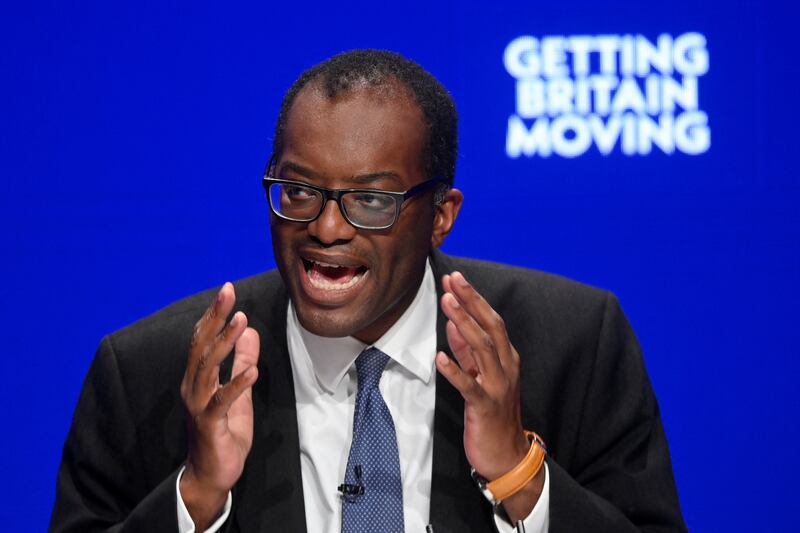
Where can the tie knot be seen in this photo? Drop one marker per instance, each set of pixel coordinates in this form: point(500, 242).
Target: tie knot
point(369, 365)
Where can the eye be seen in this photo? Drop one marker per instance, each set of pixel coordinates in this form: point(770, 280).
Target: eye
point(373, 201)
point(298, 193)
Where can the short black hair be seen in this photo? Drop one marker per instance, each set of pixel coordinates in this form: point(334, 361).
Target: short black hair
point(353, 69)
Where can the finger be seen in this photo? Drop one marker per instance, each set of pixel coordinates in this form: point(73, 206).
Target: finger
point(207, 373)
point(244, 358)
point(463, 382)
point(484, 315)
point(446, 283)
point(224, 397)
point(208, 327)
point(461, 350)
point(480, 344)
point(247, 351)
point(213, 320)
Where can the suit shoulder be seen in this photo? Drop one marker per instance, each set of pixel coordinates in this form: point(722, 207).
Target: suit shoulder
point(521, 282)
point(175, 321)
point(557, 309)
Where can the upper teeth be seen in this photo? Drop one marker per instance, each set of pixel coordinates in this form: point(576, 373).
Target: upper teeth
point(320, 263)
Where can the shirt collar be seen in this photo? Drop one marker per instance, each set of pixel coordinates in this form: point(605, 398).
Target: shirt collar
point(410, 342)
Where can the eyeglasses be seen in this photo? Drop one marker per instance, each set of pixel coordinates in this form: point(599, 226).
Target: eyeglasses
point(370, 209)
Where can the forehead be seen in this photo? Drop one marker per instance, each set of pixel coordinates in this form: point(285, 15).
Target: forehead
point(360, 131)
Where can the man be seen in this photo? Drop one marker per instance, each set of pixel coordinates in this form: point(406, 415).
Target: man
point(289, 434)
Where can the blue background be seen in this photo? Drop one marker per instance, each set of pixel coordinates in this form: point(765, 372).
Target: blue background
point(133, 138)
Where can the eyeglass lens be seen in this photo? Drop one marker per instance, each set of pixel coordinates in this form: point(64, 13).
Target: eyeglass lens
point(364, 209)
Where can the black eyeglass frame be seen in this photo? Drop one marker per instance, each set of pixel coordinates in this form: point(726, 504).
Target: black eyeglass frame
point(336, 194)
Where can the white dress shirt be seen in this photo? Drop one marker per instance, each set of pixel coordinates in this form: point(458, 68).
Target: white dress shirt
point(325, 384)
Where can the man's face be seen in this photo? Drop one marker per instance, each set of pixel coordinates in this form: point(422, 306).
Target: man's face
point(342, 280)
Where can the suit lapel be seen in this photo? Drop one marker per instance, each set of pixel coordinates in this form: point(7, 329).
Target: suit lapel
point(456, 503)
point(269, 495)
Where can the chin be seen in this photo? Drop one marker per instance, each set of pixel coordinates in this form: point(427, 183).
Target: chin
point(328, 323)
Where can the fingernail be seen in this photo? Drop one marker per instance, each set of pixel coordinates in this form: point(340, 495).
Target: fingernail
point(461, 279)
point(443, 359)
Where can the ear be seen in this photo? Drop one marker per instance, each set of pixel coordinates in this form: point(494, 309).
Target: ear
point(445, 216)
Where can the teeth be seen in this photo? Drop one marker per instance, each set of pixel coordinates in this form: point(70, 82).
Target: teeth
point(320, 263)
point(324, 284)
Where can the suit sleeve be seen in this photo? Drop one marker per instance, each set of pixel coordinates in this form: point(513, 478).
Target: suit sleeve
point(621, 477)
point(101, 483)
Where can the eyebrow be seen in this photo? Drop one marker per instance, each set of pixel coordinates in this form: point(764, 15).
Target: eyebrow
point(362, 179)
point(365, 179)
point(297, 169)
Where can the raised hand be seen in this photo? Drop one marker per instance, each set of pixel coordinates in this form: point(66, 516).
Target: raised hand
point(487, 376)
point(219, 418)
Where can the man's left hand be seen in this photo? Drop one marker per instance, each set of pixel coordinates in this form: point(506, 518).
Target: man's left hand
point(487, 376)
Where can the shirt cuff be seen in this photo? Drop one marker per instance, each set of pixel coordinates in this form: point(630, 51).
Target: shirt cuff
point(539, 519)
point(185, 522)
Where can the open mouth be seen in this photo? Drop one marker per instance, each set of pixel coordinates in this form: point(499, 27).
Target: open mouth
point(332, 277)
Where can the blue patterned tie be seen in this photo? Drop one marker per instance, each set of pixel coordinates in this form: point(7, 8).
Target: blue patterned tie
point(374, 462)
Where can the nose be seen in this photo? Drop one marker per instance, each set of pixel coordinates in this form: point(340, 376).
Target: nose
point(331, 227)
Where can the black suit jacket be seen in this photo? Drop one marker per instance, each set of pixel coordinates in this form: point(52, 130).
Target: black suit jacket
point(583, 384)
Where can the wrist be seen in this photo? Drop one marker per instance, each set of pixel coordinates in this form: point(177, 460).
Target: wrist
point(501, 463)
point(521, 504)
point(525, 476)
point(203, 502)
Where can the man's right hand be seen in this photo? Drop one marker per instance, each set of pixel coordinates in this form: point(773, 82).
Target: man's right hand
point(219, 418)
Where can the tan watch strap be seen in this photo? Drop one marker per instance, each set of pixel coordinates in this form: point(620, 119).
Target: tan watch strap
point(512, 481)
